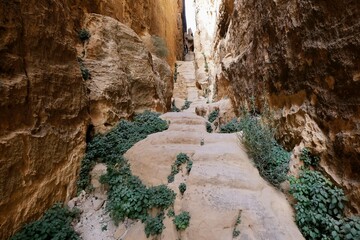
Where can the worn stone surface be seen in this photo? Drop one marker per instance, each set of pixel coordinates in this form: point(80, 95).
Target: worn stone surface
point(44, 102)
point(222, 181)
point(303, 57)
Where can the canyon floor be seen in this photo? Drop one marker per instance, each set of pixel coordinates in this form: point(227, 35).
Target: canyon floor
point(222, 185)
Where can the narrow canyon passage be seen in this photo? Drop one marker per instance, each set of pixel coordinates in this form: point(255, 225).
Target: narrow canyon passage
point(222, 182)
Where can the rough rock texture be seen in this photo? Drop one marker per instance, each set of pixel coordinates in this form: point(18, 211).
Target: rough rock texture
point(204, 39)
point(123, 78)
point(161, 18)
point(42, 110)
point(44, 101)
point(303, 57)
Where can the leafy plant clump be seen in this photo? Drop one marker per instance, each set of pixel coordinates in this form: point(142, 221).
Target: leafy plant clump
point(319, 208)
point(182, 221)
point(186, 105)
point(231, 127)
point(55, 224)
point(110, 147)
point(213, 115)
point(269, 157)
point(84, 35)
point(159, 44)
point(154, 225)
point(128, 197)
point(182, 188)
point(181, 158)
point(308, 158)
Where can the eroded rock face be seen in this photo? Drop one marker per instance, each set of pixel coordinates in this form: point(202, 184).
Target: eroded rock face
point(44, 102)
point(123, 79)
point(303, 57)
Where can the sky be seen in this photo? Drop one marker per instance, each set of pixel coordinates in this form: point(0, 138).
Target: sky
point(190, 14)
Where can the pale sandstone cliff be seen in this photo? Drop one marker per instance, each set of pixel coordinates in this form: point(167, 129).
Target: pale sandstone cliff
point(303, 56)
point(45, 104)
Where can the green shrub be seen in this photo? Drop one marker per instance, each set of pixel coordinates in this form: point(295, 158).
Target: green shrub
point(213, 115)
point(161, 49)
point(189, 166)
point(161, 197)
point(182, 188)
point(128, 197)
point(182, 221)
point(84, 35)
point(186, 105)
point(269, 157)
point(154, 225)
point(55, 224)
point(209, 127)
point(110, 147)
point(171, 213)
point(181, 158)
point(308, 158)
point(319, 208)
point(231, 127)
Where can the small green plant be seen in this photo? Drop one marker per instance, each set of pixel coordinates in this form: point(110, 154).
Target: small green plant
point(213, 115)
point(154, 225)
point(189, 166)
point(55, 224)
point(186, 105)
point(104, 228)
point(319, 208)
point(85, 73)
point(308, 158)
point(161, 197)
point(84, 35)
point(182, 221)
point(231, 127)
point(182, 188)
point(171, 213)
point(176, 73)
point(181, 158)
point(236, 231)
point(209, 128)
point(174, 108)
point(159, 44)
point(171, 178)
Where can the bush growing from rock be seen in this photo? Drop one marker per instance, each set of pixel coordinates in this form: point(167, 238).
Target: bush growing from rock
point(182, 221)
point(84, 35)
point(54, 224)
point(320, 207)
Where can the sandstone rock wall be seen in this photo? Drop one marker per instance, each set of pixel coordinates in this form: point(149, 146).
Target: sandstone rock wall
point(124, 77)
point(45, 105)
point(303, 58)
